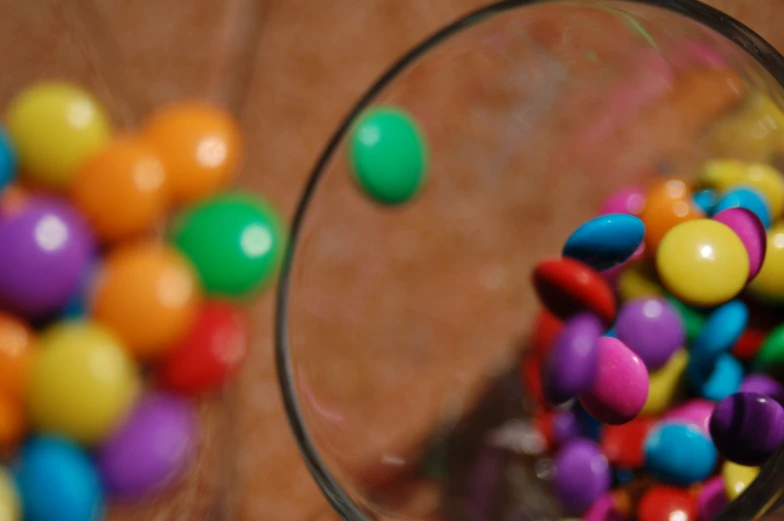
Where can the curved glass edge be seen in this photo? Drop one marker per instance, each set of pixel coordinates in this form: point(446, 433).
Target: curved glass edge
point(771, 59)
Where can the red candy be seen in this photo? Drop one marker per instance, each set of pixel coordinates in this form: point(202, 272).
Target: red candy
point(211, 351)
point(567, 287)
point(623, 444)
point(663, 503)
point(748, 344)
point(546, 331)
point(531, 375)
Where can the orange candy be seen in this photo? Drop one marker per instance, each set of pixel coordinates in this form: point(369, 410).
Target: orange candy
point(17, 342)
point(200, 145)
point(148, 294)
point(13, 424)
point(121, 190)
point(667, 203)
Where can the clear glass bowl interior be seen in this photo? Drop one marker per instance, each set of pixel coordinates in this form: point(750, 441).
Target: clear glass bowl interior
point(400, 330)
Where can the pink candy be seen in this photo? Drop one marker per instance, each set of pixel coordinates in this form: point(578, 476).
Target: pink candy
point(620, 389)
point(695, 412)
point(751, 232)
point(628, 200)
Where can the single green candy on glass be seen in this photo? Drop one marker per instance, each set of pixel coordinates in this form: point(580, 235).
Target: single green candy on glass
point(235, 242)
point(693, 319)
point(388, 155)
point(771, 353)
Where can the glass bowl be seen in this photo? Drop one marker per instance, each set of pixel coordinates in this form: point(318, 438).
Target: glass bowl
point(401, 329)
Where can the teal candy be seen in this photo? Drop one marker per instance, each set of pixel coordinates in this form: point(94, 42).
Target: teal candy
point(745, 197)
point(388, 155)
point(721, 381)
point(58, 481)
point(605, 241)
point(679, 454)
point(705, 200)
point(724, 326)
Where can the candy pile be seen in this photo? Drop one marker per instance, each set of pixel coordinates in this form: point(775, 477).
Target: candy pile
point(112, 324)
point(660, 346)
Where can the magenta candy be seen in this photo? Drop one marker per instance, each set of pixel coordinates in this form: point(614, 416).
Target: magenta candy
point(603, 509)
point(620, 388)
point(611, 275)
point(151, 449)
point(712, 499)
point(45, 248)
point(748, 227)
point(626, 200)
point(652, 328)
point(695, 412)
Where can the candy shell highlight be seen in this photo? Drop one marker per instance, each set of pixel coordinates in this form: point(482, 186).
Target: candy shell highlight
point(737, 478)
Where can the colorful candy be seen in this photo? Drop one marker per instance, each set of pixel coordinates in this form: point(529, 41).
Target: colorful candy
point(750, 231)
point(122, 190)
point(620, 387)
point(629, 200)
point(667, 204)
point(768, 285)
point(665, 503)
point(7, 161)
point(582, 475)
point(712, 499)
point(151, 449)
point(9, 498)
point(722, 329)
point(83, 383)
point(666, 383)
point(747, 428)
point(58, 482)
point(46, 245)
point(200, 146)
point(149, 295)
point(605, 241)
point(679, 454)
point(571, 366)
point(702, 262)
point(748, 198)
point(210, 352)
point(55, 128)
point(17, 351)
point(234, 241)
point(568, 287)
point(651, 328)
point(388, 155)
point(737, 478)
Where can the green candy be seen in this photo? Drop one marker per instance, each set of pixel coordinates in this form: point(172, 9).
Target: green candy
point(235, 242)
point(771, 353)
point(388, 155)
point(693, 319)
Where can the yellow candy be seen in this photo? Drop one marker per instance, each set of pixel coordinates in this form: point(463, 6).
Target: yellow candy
point(737, 478)
point(54, 128)
point(769, 282)
point(754, 132)
point(9, 499)
point(665, 384)
point(725, 174)
point(702, 262)
point(638, 280)
point(83, 382)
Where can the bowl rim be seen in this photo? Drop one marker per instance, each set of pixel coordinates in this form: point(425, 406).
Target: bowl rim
point(770, 58)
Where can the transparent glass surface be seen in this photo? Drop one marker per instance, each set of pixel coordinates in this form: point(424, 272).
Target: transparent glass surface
point(534, 112)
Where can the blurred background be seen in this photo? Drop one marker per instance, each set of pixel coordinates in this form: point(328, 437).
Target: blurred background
point(291, 69)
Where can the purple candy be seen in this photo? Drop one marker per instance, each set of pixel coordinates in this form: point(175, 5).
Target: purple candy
point(582, 475)
point(712, 499)
point(652, 328)
point(696, 412)
point(748, 227)
point(571, 365)
point(151, 449)
point(629, 200)
point(747, 428)
point(565, 427)
point(45, 247)
point(764, 385)
point(603, 509)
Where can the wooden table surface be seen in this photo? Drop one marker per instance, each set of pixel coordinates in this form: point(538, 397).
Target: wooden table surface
point(309, 61)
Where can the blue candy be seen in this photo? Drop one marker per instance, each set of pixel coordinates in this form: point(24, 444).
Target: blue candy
point(745, 197)
point(78, 304)
point(605, 241)
point(705, 200)
point(723, 380)
point(7, 161)
point(58, 481)
point(722, 329)
point(679, 454)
